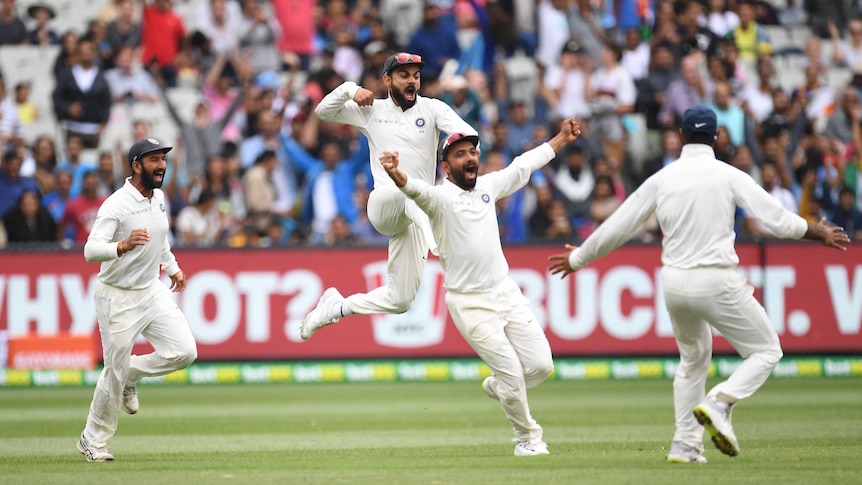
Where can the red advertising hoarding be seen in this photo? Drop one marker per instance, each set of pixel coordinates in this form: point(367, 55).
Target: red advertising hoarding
point(244, 305)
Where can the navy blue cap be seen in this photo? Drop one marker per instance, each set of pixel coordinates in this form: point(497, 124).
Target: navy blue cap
point(402, 59)
point(147, 145)
point(699, 124)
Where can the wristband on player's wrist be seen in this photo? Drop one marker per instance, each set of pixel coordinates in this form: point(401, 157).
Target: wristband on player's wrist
point(121, 249)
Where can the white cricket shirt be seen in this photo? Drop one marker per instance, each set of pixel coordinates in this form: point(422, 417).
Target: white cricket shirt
point(125, 210)
point(464, 222)
point(695, 200)
point(414, 133)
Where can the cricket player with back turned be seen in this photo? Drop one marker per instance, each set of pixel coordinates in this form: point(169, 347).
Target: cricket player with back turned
point(486, 305)
point(694, 199)
point(129, 238)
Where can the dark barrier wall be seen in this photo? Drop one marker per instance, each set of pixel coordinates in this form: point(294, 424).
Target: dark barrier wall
point(245, 305)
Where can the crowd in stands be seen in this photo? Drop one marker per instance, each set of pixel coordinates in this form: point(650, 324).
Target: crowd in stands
point(253, 166)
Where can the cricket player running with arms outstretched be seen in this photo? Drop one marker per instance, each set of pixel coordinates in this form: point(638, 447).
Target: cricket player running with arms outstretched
point(411, 125)
point(129, 238)
point(694, 199)
point(486, 305)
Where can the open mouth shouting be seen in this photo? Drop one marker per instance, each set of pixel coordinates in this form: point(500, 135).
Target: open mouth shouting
point(471, 171)
point(410, 93)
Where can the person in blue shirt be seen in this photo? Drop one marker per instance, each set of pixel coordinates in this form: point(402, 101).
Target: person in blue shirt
point(330, 183)
point(12, 184)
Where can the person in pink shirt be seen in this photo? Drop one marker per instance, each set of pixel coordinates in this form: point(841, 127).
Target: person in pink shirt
point(297, 26)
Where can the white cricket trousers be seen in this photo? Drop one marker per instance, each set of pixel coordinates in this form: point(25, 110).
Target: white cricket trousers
point(499, 325)
point(395, 215)
point(696, 299)
point(123, 315)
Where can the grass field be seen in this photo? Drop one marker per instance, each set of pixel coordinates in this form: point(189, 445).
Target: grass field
point(805, 431)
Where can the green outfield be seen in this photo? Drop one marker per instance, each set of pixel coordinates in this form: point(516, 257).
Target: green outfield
point(801, 430)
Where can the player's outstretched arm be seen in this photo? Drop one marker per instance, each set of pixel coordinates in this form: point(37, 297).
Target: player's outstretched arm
point(830, 236)
point(389, 160)
point(569, 132)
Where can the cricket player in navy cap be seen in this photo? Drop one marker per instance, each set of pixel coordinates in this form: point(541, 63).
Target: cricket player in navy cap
point(694, 199)
point(129, 238)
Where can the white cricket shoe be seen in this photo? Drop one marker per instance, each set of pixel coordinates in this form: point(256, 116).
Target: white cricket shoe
point(130, 400)
point(488, 387)
point(717, 423)
point(327, 312)
point(531, 448)
point(682, 453)
point(93, 453)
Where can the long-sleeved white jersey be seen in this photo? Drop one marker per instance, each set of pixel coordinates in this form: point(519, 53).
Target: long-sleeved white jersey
point(464, 222)
point(125, 210)
point(414, 133)
point(695, 200)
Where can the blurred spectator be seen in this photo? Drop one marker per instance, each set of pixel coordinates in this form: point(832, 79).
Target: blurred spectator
point(840, 124)
point(574, 181)
point(823, 13)
point(750, 37)
point(80, 213)
point(12, 184)
point(604, 200)
point(202, 135)
point(10, 125)
point(728, 114)
point(565, 84)
point(848, 54)
point(339, 233)
point(463, 99)
point(55, 200)
point(82, 97)
point(346, 60)
point(123, 30)
point(847, 215)
point(296, 18)
point(684, 93)
point(74, 162)
point(29, 222)
point(694, 36)
point(260, 190)
point(330, 182)
point(363, 229)
point(12, 29)
point(721, 19)
point(652, 90)
point(435, 41)
point(743, 160)
point(756, 99)
point(817, 96)
point(130, 83)
point(259, 34)
point(636, 55)
point(519, 128)
point(671, 148)
point(162, 38)
point(41, 163)
point(68, 55)
point(221, 22)
point(199, 225)
point(108, 180)
point(221, 94)
point(725, 149)
point(98, 34)
point(27, 110)
point(283, 177)
point(227, 189)
point(585, 27)
point(611, 94)
point(109, 11)
point(549, 221)
point(41, 33)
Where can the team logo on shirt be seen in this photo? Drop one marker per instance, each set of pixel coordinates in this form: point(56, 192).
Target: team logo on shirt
point(486, 198)
point(420, 122)
point(162, 207)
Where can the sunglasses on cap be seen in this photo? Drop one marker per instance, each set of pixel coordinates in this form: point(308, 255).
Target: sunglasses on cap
point(401, 59)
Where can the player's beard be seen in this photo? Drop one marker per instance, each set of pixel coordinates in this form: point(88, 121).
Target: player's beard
point(148, 179)
point(403, 102)
point(459, 177)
